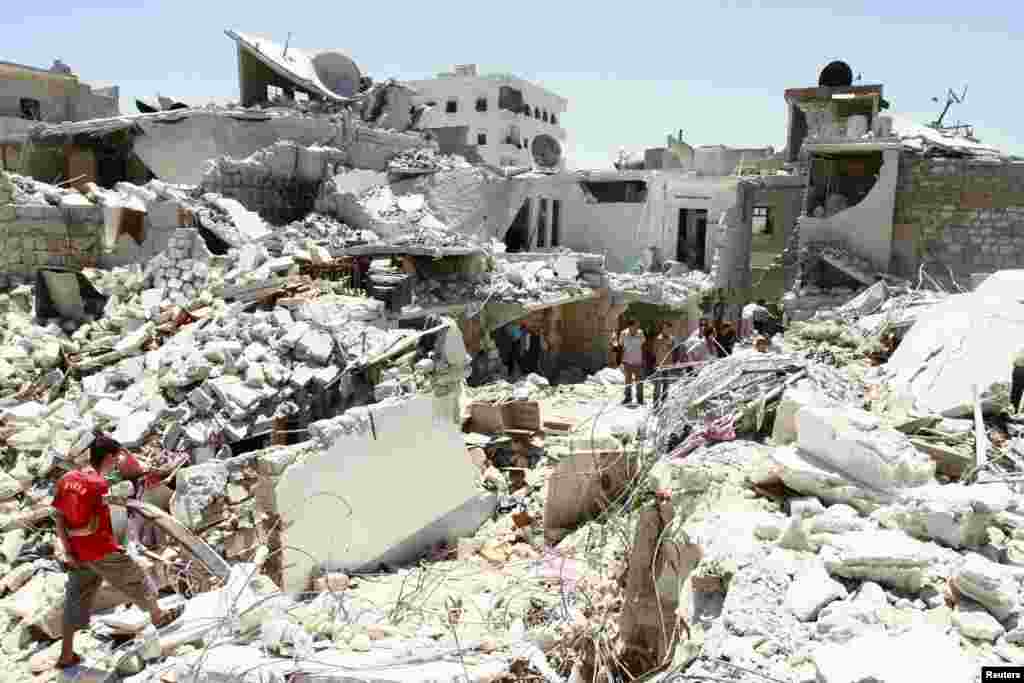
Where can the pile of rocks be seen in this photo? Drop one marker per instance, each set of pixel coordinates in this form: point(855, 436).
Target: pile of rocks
point(425, 159)
point(676, 291)
point(180, 272)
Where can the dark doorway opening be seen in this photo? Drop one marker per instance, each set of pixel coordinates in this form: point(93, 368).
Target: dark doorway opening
point(518, 236)
point(691, 238)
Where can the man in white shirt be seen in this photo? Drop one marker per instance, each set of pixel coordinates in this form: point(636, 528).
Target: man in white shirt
point(631, 340)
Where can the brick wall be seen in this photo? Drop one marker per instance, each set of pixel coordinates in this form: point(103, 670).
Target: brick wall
point(966, 214)
point(43, 235)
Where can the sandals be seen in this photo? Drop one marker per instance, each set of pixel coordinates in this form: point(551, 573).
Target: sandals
point(170, 616)
point(75, 661)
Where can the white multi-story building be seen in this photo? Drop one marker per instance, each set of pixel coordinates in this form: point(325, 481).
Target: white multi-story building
point(511, 122)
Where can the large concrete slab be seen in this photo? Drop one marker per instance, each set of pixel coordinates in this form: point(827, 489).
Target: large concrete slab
point(348, 505)
point(968, 339)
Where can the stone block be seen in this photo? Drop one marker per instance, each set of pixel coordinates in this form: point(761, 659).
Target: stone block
point(372, 485)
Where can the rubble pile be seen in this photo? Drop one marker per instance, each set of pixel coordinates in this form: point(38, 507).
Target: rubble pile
point(180, 272)
point(406, 221)
point(676, 291)
point(425, 160)
point(535, 281)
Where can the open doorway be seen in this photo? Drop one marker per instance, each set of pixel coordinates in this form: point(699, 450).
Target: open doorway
point(691, 238)
point(517, 237)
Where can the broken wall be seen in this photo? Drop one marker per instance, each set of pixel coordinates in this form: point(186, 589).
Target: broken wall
point(963, 213)
point(43, 235)
point(866, 227)
point(280, 183)
point(346, 506)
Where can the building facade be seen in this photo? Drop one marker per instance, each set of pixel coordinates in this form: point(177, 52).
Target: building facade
point(29, 95)
point(512, 122)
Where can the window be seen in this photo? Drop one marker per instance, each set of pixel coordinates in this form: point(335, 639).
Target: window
point(615, 192)
point(481, 139)
point(510, 99)
point(544, 116)
point(30, 109)
point(554, 120)
point(526, 143)
point(451, 107)
point(274, 93)
point(481, 104)
point(761, 221)
point(542, 222)
point(556, 216)
point(536, 112)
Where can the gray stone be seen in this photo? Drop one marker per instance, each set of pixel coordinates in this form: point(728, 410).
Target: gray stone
point(888, 557)
point(882, 658)
point(811, 591)
point(989, 584)
point(973, 621)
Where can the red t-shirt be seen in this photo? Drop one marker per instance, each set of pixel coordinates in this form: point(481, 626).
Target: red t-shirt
point(79, 498)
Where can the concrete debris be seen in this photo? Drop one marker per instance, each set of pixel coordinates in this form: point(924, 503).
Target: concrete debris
point(327, 493)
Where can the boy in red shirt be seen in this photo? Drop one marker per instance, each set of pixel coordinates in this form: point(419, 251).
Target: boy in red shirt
point(91, 551)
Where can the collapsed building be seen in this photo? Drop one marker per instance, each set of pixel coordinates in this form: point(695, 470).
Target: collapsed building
point(295, 323)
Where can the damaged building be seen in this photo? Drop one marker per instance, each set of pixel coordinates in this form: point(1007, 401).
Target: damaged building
point(298, 320)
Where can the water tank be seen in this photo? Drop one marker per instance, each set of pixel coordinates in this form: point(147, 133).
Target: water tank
point(547, 152)
point(338, 73)
point(836, 75)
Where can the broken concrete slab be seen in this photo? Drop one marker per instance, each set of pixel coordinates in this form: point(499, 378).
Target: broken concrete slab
point(852, 442)
point(954, 515)
point(805, 473)
point(811, 591)
point(966, 340)
point(355, 482)
point(882, 658)
point(989, 584)
point(888, 557)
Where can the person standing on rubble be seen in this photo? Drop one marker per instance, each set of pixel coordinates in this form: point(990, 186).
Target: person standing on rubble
point(632, 341)
point(1017, 380)
point(91, 553)
point(662, 347)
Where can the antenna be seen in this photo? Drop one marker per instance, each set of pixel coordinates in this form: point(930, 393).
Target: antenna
point(286, 42)
point(951, 99)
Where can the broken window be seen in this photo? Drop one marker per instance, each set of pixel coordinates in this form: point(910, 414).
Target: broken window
point(451, 107)
point(512, 136)
point(481, 104)
point(615, 191)
point(510, 99)
point(761, 221)
point(556, 227)
point(481, 139)
point(30, 109)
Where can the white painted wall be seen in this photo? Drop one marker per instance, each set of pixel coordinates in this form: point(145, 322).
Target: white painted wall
point(495, 122)
point(415, 471)
point(866, 228)
point(623, 231)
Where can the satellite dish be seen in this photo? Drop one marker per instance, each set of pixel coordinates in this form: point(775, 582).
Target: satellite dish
point(546, 151)
point(836, 75)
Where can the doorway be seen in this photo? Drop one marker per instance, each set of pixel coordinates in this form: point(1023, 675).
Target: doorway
point(691, 238)
point(517, 237)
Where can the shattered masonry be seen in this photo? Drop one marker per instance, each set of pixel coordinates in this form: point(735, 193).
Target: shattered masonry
point(302, 330)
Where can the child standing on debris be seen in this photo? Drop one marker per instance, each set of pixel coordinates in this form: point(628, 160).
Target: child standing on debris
point(92, 554)
point(632, 341)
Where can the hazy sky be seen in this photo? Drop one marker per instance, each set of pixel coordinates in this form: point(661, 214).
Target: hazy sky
point(632, 72)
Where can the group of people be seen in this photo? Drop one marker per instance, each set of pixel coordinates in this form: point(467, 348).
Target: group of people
point(664, 357)
point(521, 349)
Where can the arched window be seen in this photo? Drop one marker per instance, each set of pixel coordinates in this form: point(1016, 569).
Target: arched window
point(544, 116)
point(536, 112)
point(554, 120)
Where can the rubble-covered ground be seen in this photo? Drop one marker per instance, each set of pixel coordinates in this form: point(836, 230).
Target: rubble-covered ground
point(791, 516)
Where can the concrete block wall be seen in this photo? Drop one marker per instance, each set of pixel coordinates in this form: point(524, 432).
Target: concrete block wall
point(280, 182)
point(35, 235)
point(967, 214)
point(162, 219)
